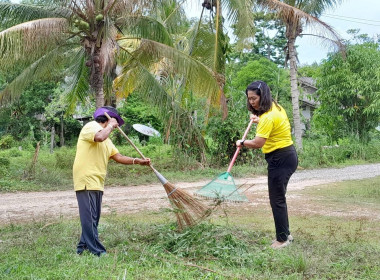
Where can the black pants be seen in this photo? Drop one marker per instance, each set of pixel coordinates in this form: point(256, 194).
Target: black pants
point(90, 203)
point(281, 165)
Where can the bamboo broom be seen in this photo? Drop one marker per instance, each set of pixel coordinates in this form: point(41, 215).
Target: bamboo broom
point(188, 210)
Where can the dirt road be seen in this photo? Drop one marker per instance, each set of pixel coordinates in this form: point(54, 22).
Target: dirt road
point(48, 206)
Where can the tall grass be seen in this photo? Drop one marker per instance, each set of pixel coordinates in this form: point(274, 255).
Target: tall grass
point(317, 153)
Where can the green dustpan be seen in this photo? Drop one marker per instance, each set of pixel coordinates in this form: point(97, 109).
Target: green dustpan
point(223, 187)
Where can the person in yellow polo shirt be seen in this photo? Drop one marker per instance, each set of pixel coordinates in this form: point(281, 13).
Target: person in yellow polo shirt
point(94, 149)
point(273, 136)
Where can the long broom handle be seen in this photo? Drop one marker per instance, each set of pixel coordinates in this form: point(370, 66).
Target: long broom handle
point(126, 137)
point(162, 179)
point(238, 148)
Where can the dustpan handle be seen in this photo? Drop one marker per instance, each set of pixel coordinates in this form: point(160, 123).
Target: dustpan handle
point(238, 148)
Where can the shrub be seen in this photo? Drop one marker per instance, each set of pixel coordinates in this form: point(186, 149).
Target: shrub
point(4, 165)
point(319, 152)
point(64, 158)
point(7, 142)
point(4, 162)
point(14, 152)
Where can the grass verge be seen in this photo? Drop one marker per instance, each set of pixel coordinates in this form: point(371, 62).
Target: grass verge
point(233, 244)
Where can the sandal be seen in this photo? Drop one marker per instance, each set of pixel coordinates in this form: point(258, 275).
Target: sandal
point(290, 239)
point(280, 245)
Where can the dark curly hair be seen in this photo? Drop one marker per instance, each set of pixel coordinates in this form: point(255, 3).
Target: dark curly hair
point(266, 100)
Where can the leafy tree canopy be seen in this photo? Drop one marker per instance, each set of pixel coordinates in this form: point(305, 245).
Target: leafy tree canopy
point(309, 71)
point(349, 92)
point(267, 71)
point(270, 40)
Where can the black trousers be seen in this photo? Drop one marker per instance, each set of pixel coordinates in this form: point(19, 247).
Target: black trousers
point(281, 165)
point(90, 203)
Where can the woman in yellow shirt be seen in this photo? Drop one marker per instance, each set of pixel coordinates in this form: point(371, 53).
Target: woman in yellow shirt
point(273, 136)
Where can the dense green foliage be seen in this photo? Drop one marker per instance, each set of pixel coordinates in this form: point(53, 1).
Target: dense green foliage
point(223, 134)
point(264, 45)
point(265, 70)
point(29, 118)
point(54, 171)
point(349, 93)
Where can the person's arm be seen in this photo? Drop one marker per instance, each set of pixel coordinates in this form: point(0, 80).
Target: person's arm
point(256, 143)
point(103, 134)
point(129, 160)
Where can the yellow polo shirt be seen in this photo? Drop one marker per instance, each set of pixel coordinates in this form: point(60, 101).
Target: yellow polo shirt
point(91, 159)
point(275, 127)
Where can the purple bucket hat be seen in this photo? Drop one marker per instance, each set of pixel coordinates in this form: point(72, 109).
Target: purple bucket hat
point(112, 112)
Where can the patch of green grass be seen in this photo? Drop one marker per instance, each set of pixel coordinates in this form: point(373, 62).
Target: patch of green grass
point(361, 191)
point(146, 245)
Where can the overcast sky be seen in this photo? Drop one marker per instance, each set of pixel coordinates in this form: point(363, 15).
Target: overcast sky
point(351, 14)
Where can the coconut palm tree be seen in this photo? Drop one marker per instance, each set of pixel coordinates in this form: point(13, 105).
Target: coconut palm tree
point(209, 42)
point(205, 47)
point(89, 38)
point(296, 15)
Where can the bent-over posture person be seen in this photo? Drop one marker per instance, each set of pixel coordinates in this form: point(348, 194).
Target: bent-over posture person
point(273, 135)
point(94, 149)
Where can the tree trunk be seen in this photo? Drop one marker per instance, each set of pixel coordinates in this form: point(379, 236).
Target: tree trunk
point(52, 139)
point(96, 76)
point(295, 93)
point(220, 64)
point(97, 85)
point(62, 136)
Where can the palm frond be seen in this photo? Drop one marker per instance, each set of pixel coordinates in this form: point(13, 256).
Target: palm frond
point(145, 27)
point(131, 7)
point(240, 14)
point(316, 7)
point(128, 45)
point(29, 41)
point(12, 14)
point(210, 48)
point(327, 33)
point(77, 81)
point(289, 14)
point(176, 119)
point(202, 44)
point(108, 88)
point(199, 78)
point(42, 68)
point(285, 11)
point(173, 16)
point(108, 49)
point(130, 81)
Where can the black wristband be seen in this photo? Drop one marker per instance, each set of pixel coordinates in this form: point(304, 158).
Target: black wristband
point(242, 142)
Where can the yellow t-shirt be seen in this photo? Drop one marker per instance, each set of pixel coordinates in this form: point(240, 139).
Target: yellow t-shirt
point(275, 127)
point(91, 159)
